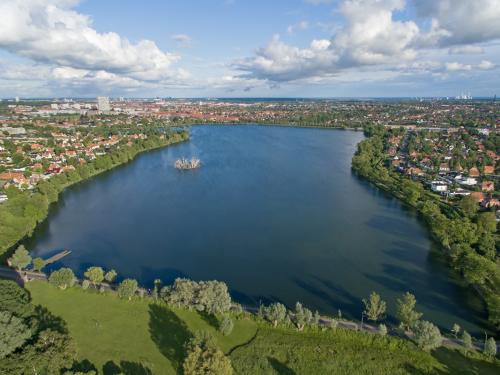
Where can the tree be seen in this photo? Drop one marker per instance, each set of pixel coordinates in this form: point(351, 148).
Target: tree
point(13, 333)
point(15, 299)
point(110, 276)
point(427, 335)
point(490, 348)
point(226, 326)
point(38, 264)
point(275, 313)
point(210, 296)
point(467, 340)
point(374, 307)
point(382, 329)
point(21, 258)
point(455, 330)
point(208, 361)
point(127, 288)
point(486, 222)
point(469, 206)
point(62, 278)
point(52, 352)
point(302, 316)
point(95, 275)
point(405, 310)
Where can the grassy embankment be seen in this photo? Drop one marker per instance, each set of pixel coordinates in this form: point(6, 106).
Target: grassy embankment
point(142, 335)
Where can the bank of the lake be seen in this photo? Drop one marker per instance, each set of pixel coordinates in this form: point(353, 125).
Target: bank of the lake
point(24, 210)
point(274, 212)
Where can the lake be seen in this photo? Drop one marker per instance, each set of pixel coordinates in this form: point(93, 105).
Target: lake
point(275, 212)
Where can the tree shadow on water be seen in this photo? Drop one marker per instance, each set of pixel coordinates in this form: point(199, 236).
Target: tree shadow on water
point(280, 367)
point(125, 368)
point(170, 334)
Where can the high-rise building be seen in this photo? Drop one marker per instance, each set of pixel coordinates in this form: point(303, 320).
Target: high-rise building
point(17, 99)
point(103, 104)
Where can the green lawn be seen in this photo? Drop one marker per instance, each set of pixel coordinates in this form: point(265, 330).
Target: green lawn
point(137, 337)
point(287, 352)
point(132, 335)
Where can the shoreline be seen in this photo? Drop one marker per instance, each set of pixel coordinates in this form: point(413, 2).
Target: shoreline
point(8, 249)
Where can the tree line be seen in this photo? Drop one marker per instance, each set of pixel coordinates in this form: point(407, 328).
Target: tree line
point(468, 237)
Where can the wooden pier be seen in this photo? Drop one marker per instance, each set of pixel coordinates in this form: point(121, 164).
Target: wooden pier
point(57, 256)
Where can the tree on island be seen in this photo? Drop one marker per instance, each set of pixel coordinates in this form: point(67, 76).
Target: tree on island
point(405, 311)
point(95, 275)
point(110, 276)
point(21, 258)
point(375, 307)
point(38, 264)
point(127, 288)
point(62, 278)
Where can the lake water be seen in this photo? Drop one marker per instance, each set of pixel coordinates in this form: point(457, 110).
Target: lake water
point(275, 212)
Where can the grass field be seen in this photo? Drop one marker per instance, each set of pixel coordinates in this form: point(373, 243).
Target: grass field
point(133, 335)
point(342, 352)
point(137, 337)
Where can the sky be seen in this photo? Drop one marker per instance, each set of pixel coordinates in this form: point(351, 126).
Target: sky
point(249, 48)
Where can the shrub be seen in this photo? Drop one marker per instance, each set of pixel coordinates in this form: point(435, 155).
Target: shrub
point(62, 278)
point(226, 326)
point(85, 284)
point(427, 335)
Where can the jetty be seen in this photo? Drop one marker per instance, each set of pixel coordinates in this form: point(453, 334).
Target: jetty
point(58, 256)
point(184, 163)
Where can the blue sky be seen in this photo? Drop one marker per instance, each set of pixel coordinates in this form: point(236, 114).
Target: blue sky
point(306, 48)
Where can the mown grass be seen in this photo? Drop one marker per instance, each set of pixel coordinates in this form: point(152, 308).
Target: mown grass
point(287, 352)
point(134, 336)
point(139, 337)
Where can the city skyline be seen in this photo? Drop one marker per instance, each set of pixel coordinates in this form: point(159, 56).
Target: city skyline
point(236, 48)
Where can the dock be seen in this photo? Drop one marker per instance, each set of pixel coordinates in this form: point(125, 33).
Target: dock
point(57, 256)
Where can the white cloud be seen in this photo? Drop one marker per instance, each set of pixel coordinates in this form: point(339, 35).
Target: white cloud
point(183, 39)
point(466, 50)
point(462, 21)
point(486, 65)
point(370, 37)
point(456, 66)
point(373, 36)
point(50, 31)
point(302, 25)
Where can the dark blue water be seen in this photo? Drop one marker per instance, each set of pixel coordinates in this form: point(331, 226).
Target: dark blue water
point(274, 212)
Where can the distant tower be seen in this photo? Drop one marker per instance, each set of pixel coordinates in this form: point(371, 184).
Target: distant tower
point(17, 99)
point(103, 104)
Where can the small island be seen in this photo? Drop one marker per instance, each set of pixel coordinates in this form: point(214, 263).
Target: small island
point(185, 164)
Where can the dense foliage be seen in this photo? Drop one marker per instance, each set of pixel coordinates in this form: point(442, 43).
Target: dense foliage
point(31, 339)
point(208, 296)
point(467, 236)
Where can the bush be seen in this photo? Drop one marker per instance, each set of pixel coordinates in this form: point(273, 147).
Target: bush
point(382, 329)
point(62, 278)
point(127, 288)
point(226, 326)
point(490, 348)
point(427, 335)
point(85, 284)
